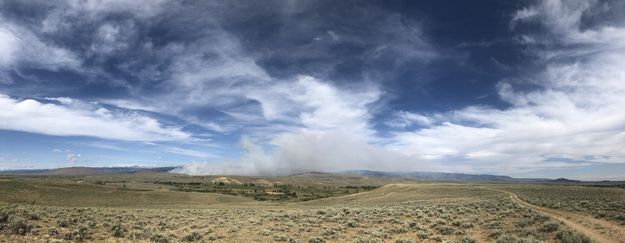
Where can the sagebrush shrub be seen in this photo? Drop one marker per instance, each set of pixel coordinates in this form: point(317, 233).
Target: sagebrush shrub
point(193, 236)
point(567, 236)
point(118, 230)
point(507, 239)
point(19, 225)
point(550, 227)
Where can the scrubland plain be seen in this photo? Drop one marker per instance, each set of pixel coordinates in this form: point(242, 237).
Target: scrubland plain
point(162, 207)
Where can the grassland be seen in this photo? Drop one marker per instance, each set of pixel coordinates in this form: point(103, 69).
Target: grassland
point(142, 208)
point(600, 202)
point(77, 193)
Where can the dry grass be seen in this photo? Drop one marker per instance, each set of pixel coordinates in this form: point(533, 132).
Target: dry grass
point(600, 202)
point(394, 213)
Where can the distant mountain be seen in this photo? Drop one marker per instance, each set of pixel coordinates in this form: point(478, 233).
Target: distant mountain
point(564, 180)
point(441, 176)
point(312, 174)
point(84, 171)
point(415, 175)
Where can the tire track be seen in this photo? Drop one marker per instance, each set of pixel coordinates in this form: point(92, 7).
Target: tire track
point(586, 225)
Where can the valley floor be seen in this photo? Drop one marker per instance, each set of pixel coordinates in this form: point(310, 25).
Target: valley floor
point(34, 211)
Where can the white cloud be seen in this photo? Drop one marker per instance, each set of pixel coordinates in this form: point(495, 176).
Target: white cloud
point(128, 104)
point(575, 114)
point(188, 152)
point(25, 46)
point(61, 14)
point(62, 100)
point(8, 46)
point(212, 72)
point(329, 131)
point(32, 116)
point(563, 18)
point(111, 37)
point(140, 9)
point(17, 164)
point(573, 119)
point(303, 151)
point(72, 158)
point(19, 45)
point(523, 15)
point(317, 105)
point(403, 119)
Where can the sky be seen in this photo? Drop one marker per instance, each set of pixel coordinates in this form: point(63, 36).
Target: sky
point(518, 88)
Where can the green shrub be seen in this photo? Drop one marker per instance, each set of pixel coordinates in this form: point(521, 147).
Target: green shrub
point(467, 239)
point(466, 225)
point(64, 223)
point(159, 238)
point(194, 236)
point(550, 227)
point(34, 216)
point(18, 225)
point(405, 241)
point(280, 238)
point(316, 240)
point(4, 216)
point(118, 230)
point(566, 236)
point(445, 230)
point(523, 223)
point(77, 235)
point(53, 231)
point(422, 234)
point(507, 239)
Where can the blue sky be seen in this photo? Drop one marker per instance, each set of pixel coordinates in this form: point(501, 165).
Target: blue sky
point(520, 88)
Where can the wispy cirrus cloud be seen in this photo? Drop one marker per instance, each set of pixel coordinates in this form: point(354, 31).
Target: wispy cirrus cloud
point(303, 92)
point(19, 46)
point(572, 113)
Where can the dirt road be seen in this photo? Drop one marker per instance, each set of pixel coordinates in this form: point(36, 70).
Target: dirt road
point(596, 229)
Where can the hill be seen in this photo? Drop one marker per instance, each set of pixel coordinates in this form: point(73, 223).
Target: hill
point(349, 177)
point(85, 171)
point(440, 176)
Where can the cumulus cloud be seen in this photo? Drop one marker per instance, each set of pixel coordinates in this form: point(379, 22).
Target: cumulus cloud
point(328, 130)
point(317, 105)
point(33, 116)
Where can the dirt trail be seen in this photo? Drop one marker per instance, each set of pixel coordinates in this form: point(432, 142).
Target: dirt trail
point(596, 229)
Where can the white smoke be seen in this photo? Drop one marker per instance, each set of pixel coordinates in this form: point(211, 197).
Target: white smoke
point(305, 151)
